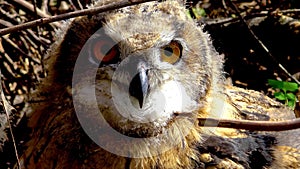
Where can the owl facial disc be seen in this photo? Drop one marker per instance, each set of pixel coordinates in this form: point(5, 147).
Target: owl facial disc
point(143, 94)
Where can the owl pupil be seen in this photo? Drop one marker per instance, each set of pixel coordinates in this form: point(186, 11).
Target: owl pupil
point(105, 48)
point(168, 51)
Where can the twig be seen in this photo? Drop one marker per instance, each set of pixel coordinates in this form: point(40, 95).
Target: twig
point(221, 21)
point(15, 46)
point(9, 17)
point(72, 4)
point(225, 6)
point(245, 124)
point(35, 9)
point(5, 23)
point(251, 125)
point(79, 4)
point(9, 67)
point(261, 43)
point(91, 11)
point(8, 109)
point(39, 39)
point(44, 6)
point(290, 11)
point(230, 20)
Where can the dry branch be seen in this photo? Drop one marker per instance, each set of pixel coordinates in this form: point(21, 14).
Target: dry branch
point(91, 11)
point(251, 125)
point(8, 111)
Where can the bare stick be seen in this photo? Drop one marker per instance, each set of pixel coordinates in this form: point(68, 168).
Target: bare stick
point(8, 108)
point(220, 21)
point(44, 6)
point(251, 125)
point(91, 11)
point(245, 124)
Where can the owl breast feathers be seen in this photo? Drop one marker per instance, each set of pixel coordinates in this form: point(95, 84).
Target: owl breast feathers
point(127, 88)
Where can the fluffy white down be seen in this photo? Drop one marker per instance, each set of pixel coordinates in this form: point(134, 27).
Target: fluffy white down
point(159, 105)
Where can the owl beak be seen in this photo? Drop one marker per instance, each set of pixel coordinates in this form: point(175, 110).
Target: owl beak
point(139, 85)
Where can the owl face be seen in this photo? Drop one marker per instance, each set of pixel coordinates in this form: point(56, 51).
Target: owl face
point(147, 66)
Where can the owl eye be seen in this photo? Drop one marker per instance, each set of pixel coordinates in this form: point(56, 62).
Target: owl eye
point(105, 50)
point(171, 53)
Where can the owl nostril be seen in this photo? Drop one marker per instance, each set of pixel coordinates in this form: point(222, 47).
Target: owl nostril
point(139, 85)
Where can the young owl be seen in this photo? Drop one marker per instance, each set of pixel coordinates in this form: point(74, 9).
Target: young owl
point(125, 90)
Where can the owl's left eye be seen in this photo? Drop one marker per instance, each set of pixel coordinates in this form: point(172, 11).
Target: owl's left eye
point(105, 50)
point(171, 53)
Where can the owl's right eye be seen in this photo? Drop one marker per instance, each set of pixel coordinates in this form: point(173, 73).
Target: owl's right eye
point(105, 50)
point(171, 53)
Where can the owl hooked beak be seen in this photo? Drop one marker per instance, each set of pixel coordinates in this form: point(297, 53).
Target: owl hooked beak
point(139, 85)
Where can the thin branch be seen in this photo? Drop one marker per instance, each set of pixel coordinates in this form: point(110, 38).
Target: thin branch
point(261, 43)
point(225, 6)
point(290, 11)
point(5, 23)
point(72, 4)
point(221, 21)
point(8, 108)
point(246, 124)
point(15, 46)
point(39, 39)
point(251, 125)
point(9, 17)
point(79, 4)
point(44, 6)
point(91, 11)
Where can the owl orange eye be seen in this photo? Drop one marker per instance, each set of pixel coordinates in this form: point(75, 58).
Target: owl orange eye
point(171, 53)
point(105, 51)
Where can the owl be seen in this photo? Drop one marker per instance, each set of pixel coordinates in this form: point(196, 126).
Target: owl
point(125, 89)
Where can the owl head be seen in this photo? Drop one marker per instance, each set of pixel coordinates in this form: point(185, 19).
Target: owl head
point(137, 68)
